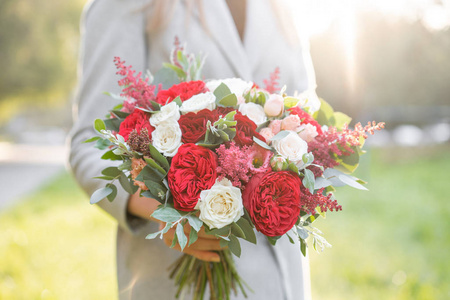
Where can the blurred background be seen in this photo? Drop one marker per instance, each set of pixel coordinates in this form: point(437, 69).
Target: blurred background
point(385, 60)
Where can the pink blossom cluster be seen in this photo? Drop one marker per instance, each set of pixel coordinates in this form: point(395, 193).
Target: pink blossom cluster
point(137, 91)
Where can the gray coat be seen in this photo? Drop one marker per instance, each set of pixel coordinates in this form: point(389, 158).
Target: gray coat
point(117, 28)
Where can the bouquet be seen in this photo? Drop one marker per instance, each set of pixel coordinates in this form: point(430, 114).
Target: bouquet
point(227, 156)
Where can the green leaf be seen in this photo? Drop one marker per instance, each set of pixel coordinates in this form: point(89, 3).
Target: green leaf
point(324, 114)
point(195, 222)
point(112, 171)
point(167, 77)
point(182, 239)
point(154, 165)
point(234, 246)
point(174, 241)
point(262, 144)
point(156, 189)
point(273, 239)
point(159, 157)
point(341, 119)
point(280, 135)
point(104, 177)
point(127, 185)
point(102, 144)
point(224, 242)
point(92, 139)
point(229, 101)
point(151, 174)
point(351, 182)
point(166, 214)
point(224, 231)
point(221, 91)
point(178, 70)
point(290, 239)
point(100, 194)
point(193, 236)
point(308, 180)
point(120, 114)
point(113, 124)
point(303, 246)
point(111, 156)
point(126, 165)
point(237, 231)
point(99, 125)
point(302, 233)
point(113, 194)
point(290, 102)
point(247, 229)
point(293, 168)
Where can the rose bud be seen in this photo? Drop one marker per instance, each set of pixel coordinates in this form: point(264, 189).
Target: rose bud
point(274, 105)
point(278, 163)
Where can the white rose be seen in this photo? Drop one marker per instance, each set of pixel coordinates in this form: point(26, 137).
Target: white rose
point(198, 102)
point(168, 112)
point(309, 99)
point(167, 138)
point(291, 147)
point(237, 86)
point(307, 132)
point(254, 112)
point(221, 205)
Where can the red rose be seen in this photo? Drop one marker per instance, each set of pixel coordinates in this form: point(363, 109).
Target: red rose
point(138, 120)
point(193, 170)
point(273, 201)
point(305, 118)
point(193, 125)
point(245, 130)
point(184, 90)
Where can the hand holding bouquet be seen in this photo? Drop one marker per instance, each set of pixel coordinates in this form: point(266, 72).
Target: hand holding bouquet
point(225, 157)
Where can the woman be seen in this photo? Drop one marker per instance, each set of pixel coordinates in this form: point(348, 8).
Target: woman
point(249, 45)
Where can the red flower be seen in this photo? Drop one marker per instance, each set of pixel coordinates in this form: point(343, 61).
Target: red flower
point(193, 125)
point(193, 170)
point(273, 201)
point(245, 130)
point(184, 90)
point(137, 120)
point(305, 118)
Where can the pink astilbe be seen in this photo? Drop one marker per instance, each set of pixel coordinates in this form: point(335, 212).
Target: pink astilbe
point(272, 84)
point(174, 55)
point(137, 91)
point(324, 202)
point(332, 143)
point(238, 164)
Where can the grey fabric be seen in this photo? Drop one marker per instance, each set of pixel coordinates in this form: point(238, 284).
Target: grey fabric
point(117, 28)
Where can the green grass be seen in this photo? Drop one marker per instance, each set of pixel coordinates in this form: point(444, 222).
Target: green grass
point(389, 243)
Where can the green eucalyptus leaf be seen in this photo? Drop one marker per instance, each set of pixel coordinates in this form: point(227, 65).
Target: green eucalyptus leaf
point(303, 246)
point(234, 246)
point(111, 156)
point(167, 77)
point(229, 100)
point(99, 125)
point(113, 124)
point(280, 135)
point(351, 182)
point(166, 214)
point(113, 194)
point(182, 239)
point(126, 184)
point(159, 157)
point(224, 242)
point(302, 233)
point(104, 177)
point(92, 139)
point(112, 171)
point(193, 236)
point(262, 144)
point(221, 91)
point(247, 229)
point(152, 163)
point(195, 222)
point(308, 180)
point(102, 144)
point(100, 194)
point(156, 189)
point(120, 114)
point(237, 231)
point(174, 241)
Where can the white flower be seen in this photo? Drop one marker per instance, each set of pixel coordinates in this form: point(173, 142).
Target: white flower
point(168, 112)
point(221, 205)
point(167, 138)
point(254, 112)
point(309, 99)
point(237, 86)
point(198, 102)
point(307, 132)
point(291, 147)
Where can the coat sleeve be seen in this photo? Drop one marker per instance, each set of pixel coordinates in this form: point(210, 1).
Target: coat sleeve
point(109, 28)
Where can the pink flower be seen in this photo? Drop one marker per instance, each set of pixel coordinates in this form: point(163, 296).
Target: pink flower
point(275, 125)
point(307, 132)
point(291, 122)
point(274, 106)
point(267, 133)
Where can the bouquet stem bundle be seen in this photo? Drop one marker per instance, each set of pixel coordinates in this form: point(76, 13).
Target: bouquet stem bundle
point(220, 277)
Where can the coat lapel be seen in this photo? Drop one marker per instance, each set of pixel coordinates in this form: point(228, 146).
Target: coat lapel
point(225, 35)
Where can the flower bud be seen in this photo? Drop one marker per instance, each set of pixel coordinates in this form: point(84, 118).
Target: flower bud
point(274, 105)
point(278, 163)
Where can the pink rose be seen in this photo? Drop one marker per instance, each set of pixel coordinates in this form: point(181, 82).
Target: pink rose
point(275, 126)
point(274, 106)
point(266, 133)
point(307, 132)
point(291, 122)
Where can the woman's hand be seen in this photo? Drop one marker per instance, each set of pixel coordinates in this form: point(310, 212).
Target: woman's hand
point(202, 249)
